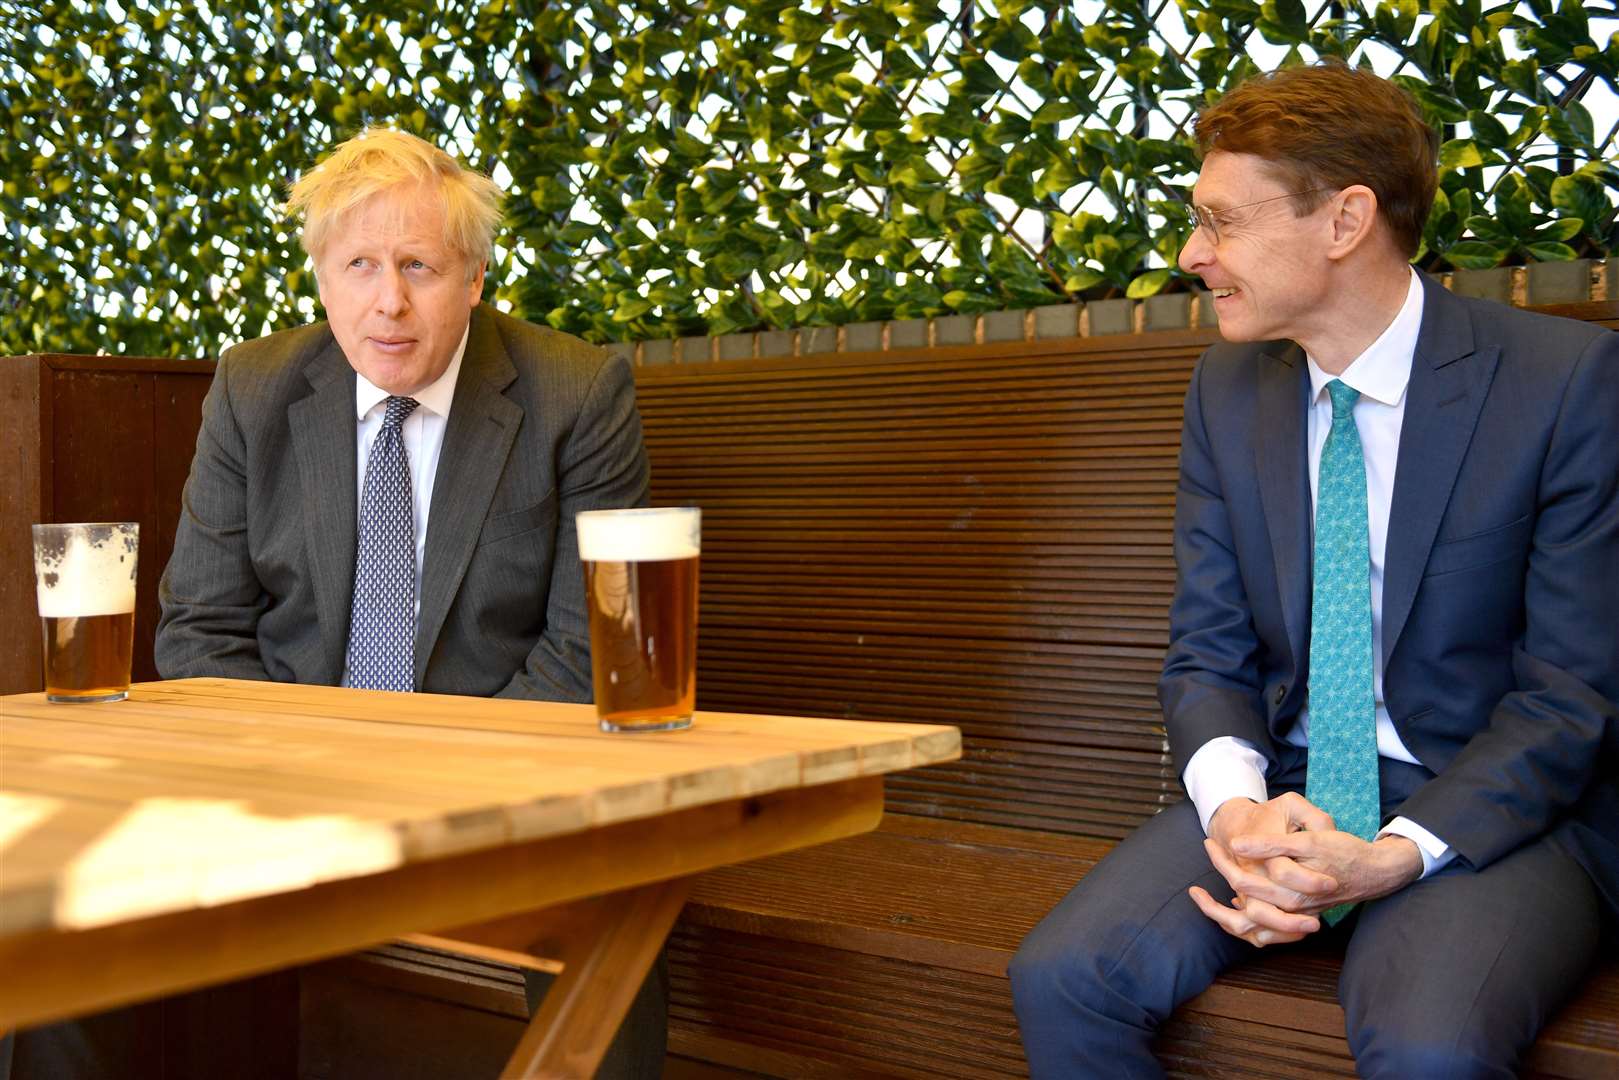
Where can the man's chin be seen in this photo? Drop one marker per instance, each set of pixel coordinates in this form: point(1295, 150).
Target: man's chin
point(398, 375)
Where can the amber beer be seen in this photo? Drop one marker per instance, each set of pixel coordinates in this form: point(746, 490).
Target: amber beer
point(84, 582)
point(641, 589)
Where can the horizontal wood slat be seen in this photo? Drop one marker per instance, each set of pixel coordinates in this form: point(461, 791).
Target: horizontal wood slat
point(918, 921)
point(969, 539)
point(978, 536)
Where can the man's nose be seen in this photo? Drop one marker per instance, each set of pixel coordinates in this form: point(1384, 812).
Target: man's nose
point(1198, 252)
point(392, 298)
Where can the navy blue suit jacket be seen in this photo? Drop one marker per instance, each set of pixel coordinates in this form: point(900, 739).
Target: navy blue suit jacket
point(1501, 582)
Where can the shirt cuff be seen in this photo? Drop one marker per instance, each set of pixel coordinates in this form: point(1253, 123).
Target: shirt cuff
point(1224, 768)
point(1436, 854)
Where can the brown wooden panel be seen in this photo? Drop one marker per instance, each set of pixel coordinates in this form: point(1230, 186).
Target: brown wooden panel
point(861, 1014)
point(176, 417)
point(91, 438)
point(102, 470)
point(24, 492)
point(771, 953)
point(956, 538)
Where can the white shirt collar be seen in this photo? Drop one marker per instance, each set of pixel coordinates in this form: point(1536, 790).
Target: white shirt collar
point(1383, 370)
point(435, 397)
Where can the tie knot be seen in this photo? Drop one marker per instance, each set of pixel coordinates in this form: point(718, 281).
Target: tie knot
point(398, 409)
point(1343, 399)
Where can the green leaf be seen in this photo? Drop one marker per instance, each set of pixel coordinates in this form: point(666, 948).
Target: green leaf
point(1488, 229)
point(1459, 154)
point(966, 302)
point(1549, 251)
point(632, 307)
point(1523, 76)
point(1440, 107)
point(1513, 206)
point(1581, 195)
point(1474, 255)
point(1562, 229)
point(867, 247)
point(1487, 129)
point(1148, 284)
point(1053, 112)
point(1081, 279)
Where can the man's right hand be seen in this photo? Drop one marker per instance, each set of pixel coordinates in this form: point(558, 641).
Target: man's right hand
point(1269, 892)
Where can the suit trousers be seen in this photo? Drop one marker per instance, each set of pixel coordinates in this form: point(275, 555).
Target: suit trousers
point(1452, 976)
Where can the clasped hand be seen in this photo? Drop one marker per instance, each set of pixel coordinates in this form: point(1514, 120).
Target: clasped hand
point(1287, 862)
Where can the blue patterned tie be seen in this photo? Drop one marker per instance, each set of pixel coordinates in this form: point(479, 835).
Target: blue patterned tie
point(1342, 768)
point(382, 620)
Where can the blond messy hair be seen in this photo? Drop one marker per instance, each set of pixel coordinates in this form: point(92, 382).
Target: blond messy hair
point(379, 161)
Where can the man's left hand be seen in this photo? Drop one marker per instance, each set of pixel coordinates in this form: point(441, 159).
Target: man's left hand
point(1363, 870)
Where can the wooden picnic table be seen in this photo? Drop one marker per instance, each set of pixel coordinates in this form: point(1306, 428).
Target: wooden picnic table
point(208, 829)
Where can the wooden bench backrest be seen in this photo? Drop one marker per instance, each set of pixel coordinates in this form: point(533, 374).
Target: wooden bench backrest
point(978, 536)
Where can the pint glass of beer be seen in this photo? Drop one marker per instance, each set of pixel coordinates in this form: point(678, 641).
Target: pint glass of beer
point(641, 586)
point(84, 580)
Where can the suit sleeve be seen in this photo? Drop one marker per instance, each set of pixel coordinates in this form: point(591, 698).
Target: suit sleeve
point(210, 595)
point(602, 466)
point(1211, 684)
point(1542, 746)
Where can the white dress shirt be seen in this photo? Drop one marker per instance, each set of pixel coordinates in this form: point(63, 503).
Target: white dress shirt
point(1229, 767)
point(423, 436)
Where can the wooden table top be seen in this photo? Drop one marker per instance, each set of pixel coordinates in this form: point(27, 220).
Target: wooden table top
point(201, 792)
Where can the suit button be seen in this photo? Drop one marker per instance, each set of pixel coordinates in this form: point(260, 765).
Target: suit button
point(1281, 692)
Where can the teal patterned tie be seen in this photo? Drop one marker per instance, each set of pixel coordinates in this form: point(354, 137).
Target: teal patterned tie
point(1342, 776)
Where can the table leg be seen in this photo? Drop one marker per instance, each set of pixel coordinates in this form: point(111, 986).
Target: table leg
point(606, 946)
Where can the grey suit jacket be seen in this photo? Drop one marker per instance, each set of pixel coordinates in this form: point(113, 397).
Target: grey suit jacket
point(1501, 584)
point(260, 583)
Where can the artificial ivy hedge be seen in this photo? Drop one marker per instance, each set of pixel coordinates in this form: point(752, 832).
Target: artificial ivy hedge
point(680, 167)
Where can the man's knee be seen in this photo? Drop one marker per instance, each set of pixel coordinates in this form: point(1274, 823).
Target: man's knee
point(1054, 975)
point(1428, 1051)
point(1037, 974)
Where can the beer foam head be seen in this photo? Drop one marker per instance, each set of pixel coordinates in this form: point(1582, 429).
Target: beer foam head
point(85, 570)
point(647, 535)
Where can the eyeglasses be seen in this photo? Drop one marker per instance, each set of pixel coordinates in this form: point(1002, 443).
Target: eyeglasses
point(1204, 217)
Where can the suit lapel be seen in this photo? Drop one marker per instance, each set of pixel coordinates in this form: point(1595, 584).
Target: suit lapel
point(1280, 462)
point(477, 441)
point(1449, 381)
point(322, 427)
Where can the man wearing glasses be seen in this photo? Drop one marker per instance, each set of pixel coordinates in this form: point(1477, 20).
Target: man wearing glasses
point(1391, 686)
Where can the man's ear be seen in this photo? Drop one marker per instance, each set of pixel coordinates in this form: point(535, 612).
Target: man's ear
point(1353, 217)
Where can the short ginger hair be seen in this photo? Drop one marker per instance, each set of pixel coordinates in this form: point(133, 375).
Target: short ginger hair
point(1329, 125)
point(379, 161)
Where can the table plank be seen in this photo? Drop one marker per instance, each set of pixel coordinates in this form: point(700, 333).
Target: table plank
point(202, 792)
point(74, 971)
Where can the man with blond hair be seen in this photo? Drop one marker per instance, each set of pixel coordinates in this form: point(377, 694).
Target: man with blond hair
point(1391, 684)
point(386, 499)
point(508, 430)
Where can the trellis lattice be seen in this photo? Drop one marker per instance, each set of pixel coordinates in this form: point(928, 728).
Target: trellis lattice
point(680, 167)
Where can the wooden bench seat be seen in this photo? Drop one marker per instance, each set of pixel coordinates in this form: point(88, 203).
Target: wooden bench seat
point(980, 536)
point(886, 954)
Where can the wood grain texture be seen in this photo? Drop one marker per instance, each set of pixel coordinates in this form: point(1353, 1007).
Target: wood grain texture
point(79, 971)
point(607, 948)
point(91, 438)
point(25, 494)
point(206, 791)
point(980, 537)
point(919, 920)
